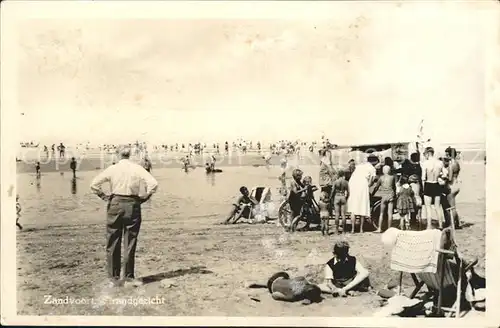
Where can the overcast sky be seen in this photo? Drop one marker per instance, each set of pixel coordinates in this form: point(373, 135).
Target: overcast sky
point(356, 76)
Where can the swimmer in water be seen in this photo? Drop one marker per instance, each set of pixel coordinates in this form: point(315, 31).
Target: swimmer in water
point(72, 166)
point(186, 163)
point(37, 168)
point(267, 158)
point(431, 170)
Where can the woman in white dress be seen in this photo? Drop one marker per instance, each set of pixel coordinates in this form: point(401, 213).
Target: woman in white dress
point(362, 178)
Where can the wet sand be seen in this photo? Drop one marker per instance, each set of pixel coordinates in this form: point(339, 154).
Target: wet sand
point(61, 251)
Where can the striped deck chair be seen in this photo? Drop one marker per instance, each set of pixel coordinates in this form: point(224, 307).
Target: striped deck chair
point(449, 278)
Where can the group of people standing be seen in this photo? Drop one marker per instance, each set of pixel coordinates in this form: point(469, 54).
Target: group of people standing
point(418, 191)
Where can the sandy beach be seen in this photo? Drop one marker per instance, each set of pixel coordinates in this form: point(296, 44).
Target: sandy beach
point(61, 251)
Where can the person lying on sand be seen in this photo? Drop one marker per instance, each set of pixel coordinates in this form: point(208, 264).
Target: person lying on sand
point(242, 207)
point(344, 273)
point(282, 288)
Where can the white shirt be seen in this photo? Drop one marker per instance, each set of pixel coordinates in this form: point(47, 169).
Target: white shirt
point(125, 179)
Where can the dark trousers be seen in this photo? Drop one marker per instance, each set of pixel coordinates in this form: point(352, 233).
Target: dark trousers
point(123, 219)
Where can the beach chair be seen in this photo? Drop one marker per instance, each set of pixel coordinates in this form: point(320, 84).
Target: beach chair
point(265, 207)
point(261, 194)
point(450, 276)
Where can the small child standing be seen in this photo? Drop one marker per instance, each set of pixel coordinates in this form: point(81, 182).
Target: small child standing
point(415, 186)
point(324, 213)
point(340, 194)
point(18, 211)
point(405, 203)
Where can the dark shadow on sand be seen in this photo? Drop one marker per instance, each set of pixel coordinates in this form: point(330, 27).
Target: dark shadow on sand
point(176, 273)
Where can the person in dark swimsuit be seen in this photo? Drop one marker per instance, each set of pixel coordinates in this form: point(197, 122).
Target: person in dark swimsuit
point(340, 193)
point(454, 183)
point(344, 273)
point(296, 195)
point(72, 166)
point(37, 168)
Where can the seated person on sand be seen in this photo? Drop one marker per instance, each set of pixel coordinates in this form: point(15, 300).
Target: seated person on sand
point(344, 273)
point(242, 207)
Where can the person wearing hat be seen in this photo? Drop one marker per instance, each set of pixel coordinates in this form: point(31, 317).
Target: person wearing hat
point(123, 212)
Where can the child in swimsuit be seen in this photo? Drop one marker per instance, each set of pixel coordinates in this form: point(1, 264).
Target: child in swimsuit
point(340, 192)
point(385, 188)
point(324, 213)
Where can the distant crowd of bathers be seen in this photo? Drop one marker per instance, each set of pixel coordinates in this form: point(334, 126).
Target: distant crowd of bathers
point(276, 148)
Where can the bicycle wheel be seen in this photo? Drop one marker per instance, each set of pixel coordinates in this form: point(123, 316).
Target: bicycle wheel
point(285, 215)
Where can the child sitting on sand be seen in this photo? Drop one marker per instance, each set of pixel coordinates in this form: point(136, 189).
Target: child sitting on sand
point(18, 210)
point(243, 206)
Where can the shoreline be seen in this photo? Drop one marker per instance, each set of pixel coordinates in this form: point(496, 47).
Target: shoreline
point(97, 161)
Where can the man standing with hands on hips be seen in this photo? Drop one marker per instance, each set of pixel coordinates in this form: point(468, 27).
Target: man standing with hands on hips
point(123, 212)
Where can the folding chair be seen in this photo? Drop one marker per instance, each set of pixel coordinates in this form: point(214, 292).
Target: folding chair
point(444, 278)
